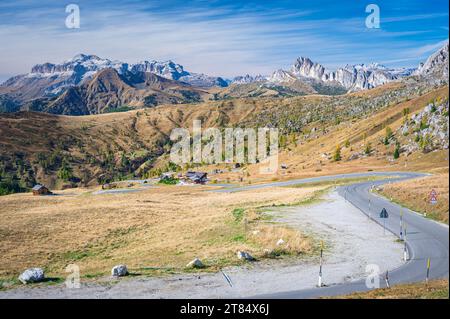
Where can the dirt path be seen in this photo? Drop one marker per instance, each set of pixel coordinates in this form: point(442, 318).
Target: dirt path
point(353, 242)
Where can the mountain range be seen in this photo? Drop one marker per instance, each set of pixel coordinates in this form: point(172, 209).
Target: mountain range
point(88, 84)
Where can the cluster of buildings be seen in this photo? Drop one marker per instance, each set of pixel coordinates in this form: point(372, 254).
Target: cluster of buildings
point(189, 177)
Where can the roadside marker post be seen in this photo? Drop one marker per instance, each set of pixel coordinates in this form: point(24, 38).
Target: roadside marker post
point(386, 278)
point(405, 251)
point(320, 266)
point(428, 270)
point(401, 223)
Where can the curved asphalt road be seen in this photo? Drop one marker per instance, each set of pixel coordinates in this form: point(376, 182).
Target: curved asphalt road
point(425, 238)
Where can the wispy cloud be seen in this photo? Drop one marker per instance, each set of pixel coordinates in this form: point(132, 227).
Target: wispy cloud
point(218, 37)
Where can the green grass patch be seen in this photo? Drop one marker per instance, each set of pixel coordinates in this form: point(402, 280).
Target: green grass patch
point(238, 214)
point(169, 181)
point(123, 108)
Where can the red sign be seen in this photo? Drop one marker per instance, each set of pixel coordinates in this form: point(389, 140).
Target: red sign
point(433, 197)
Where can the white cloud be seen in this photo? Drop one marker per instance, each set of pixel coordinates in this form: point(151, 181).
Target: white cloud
point(218, 41)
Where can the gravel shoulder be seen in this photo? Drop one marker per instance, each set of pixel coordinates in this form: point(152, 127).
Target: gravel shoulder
point(352, 242)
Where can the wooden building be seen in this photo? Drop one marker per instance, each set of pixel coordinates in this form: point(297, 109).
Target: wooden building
point(41, 190)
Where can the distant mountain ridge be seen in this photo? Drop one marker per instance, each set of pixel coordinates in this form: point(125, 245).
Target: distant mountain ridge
point(351, 77)
point(72, 87)
point(84, 67)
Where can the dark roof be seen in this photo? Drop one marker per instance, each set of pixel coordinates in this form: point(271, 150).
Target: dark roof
point(196, 175)
point(37, 187)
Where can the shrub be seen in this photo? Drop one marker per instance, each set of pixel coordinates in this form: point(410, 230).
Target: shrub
point(337, 154)
point(10, 187)
point(397, 151)
point(169, 181)
point(347, 143)
point(65, 171)
point(368, 149)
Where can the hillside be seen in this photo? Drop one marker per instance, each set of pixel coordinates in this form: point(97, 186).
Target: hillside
point(66, 151)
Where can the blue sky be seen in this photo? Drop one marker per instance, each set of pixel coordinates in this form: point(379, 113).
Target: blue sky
point(224, 38)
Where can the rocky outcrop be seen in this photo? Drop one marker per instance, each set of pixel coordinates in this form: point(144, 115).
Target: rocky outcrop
point(243, 255)
point(436, 65)
point(304, 67)
point(427, 130)
point(119, 271)
point(281, 76)
point(196, 263)
point(32, 275)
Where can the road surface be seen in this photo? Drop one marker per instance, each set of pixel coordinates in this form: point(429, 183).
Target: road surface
point(425, 238)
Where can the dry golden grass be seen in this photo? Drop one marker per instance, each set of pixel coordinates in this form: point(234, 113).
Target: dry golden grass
point(305, 159)
point(436, 289)
point(415, 194)
point(294, 243)
point(141, 130)
point(162, 227)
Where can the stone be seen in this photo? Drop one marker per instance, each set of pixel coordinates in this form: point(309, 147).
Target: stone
point(196, 263)
point(245, 255)
point(32, 275)
point(119, 271)
point(280, 242)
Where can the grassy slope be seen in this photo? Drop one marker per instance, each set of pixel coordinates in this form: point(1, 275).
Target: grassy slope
point(415, 194)
point(436, 289)
point(143, 135)
point(160, 229)
point(308, 157)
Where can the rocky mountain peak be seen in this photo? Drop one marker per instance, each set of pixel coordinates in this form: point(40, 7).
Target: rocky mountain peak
point(304, 67)
point(436, 64)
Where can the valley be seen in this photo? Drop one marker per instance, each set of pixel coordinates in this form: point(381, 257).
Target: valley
point(96, 132)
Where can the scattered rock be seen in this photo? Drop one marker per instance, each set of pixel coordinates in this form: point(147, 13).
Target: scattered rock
point(119, 271)
point(196, 263)
point(32, 275)
point(353, 156)
point(245, 255)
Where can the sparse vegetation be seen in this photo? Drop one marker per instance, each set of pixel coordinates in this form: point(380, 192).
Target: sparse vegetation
point(436, 289)
point(170, 180)
point(337, 154)
point(397, 151)
point(368, 149)
point(415, 194)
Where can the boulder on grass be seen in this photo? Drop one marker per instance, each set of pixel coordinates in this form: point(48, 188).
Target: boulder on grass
point(119, 271)
point(32, 275)
point(245, 255)
point(196, 263)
